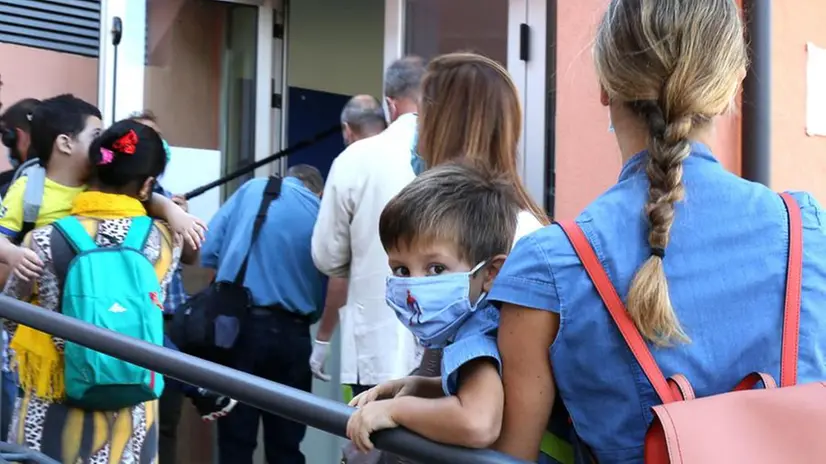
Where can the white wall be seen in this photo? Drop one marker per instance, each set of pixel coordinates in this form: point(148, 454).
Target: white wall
point(336, 46)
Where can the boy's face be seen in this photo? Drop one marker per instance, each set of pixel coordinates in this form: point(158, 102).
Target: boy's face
point(435, 258)
point(77, 148)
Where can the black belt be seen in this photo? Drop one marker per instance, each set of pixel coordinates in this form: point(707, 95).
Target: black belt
point(280, 312)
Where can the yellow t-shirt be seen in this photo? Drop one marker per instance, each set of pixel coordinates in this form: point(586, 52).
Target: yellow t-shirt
point(56, 204)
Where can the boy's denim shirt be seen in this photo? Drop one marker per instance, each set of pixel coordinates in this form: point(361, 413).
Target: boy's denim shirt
point(176, 294)
point(475, 339)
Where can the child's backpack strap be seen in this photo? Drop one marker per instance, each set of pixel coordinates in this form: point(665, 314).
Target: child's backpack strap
point(75, 234)
point(32, 198)
point(138, 233)
point(69, 238)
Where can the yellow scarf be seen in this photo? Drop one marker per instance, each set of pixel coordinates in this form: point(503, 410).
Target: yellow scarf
point(39, 364)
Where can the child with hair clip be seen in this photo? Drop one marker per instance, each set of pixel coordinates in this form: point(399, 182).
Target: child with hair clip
point(446, 236)
point(111, 214)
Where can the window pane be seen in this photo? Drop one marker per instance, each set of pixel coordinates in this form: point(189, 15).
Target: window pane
point(239, 92)
point(200, 77)
point(434, 27)
point(183, 71)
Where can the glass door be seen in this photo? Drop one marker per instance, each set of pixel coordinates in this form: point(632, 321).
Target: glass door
point(512, 32)
point(198, 67)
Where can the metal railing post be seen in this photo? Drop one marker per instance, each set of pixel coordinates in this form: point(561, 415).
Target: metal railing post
point(321, 413)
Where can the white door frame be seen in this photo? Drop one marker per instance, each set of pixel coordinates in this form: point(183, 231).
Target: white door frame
point(128, 94)
point(534, 101)
point(529, 77)
point(278, 73)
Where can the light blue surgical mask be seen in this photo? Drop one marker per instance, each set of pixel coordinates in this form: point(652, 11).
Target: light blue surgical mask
point(433, 307)
point(167, 150)
point(416, 161)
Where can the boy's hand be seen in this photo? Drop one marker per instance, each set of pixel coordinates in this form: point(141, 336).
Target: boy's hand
point(25, 264)
point(192, 229)
point(368, 419)
point(400, 387)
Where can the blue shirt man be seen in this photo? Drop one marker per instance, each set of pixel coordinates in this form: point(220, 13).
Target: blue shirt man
point(286, 290)
point(280, 270)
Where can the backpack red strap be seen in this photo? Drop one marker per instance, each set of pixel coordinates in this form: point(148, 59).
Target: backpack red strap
point(617, 310)
point(638, 346)
point(794, 279)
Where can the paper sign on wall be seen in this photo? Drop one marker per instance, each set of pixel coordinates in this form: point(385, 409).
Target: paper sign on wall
point(815, 90)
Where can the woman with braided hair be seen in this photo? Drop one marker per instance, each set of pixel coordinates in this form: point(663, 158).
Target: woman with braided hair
point(697, 254)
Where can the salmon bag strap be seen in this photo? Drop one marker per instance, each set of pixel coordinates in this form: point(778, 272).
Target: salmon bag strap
point(794, 278)
point(616, 308)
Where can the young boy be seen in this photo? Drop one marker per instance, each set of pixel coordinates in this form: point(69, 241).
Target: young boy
point(446, 236)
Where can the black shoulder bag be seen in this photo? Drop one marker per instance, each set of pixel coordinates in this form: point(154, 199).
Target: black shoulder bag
point(208, 324)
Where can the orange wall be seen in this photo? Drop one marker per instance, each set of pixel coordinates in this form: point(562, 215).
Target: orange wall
point(587, 157)
point(798, 161)
point(34, 73)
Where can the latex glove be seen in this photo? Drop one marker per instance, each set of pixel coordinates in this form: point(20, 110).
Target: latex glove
point(318, 358)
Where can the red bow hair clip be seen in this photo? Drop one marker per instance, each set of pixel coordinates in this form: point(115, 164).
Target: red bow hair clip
point(127, 143)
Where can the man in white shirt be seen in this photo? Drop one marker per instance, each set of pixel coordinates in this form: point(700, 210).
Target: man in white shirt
point(376, 347)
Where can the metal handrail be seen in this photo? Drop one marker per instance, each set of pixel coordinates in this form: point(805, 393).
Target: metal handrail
point(290, 403)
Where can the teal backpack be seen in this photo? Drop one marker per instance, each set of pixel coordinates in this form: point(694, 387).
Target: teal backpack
point(115, 288)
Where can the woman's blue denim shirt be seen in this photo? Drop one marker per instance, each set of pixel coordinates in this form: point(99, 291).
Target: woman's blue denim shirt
point(726, 270)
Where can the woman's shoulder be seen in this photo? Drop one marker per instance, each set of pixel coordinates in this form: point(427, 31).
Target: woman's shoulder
point(810, 209)
point(531, 272)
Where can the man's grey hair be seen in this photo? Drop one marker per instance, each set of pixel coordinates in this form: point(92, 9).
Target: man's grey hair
point(364, 115)
point(403, 78)
point(309, 176)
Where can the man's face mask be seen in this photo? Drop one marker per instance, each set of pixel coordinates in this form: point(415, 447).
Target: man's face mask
point(416, 161)
point(433, 307)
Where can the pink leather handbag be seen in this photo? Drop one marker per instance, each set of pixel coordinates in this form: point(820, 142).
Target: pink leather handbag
point(756, 426)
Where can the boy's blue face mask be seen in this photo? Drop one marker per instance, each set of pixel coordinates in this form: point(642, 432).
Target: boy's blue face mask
point(417, 163)
point(433, 307)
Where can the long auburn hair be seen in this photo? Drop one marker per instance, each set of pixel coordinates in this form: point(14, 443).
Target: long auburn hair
point(470, 108)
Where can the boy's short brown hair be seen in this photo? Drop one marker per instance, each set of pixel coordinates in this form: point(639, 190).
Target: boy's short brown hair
point(457, 203)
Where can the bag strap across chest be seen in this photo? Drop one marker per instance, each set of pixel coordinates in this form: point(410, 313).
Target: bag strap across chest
point(272, 190)
point(679, 388)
